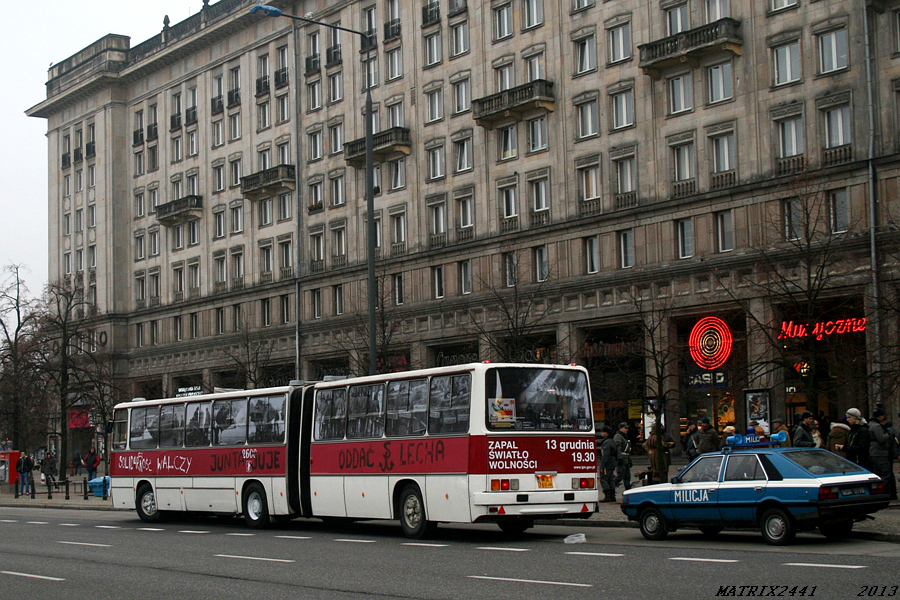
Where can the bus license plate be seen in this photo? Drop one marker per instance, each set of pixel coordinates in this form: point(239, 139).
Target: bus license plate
point(545, 481)
point(854, 491)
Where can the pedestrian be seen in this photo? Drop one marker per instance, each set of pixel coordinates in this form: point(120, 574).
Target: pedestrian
point(882, 450)
point(91, 462)
point(803, 436)
point(857, 446)
point(709, 440)
point(778, 426)
point(689, 441)
point(657, 446)
point(48, 468)
point(24, 466)
point(607, 465)
point(726, 433)
point(77, 463)
point(623, 456)
point(837, 438)
point(817, 434)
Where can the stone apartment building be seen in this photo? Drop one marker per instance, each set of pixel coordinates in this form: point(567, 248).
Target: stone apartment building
point(597, 163)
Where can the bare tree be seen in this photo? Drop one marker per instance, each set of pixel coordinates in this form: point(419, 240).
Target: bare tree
point(251, 354)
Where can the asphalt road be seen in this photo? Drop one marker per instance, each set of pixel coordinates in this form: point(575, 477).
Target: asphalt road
point(89, 554)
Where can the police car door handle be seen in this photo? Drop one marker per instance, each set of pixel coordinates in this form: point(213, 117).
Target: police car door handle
point(712, 490)
point(757, 488)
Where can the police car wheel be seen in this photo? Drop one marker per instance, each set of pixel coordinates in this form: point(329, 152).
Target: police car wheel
point(653, 526)
point(836, 530)
point(777, 527)
point(711, 530)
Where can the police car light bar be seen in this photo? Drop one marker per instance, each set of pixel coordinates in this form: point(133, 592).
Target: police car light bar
point(739, 441)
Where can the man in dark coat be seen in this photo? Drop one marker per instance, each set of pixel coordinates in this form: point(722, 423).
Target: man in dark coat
point(24, 467)
point(857, 447)
point(803, 437)
point(709, 440)
point(882, 450)
point(623, 456)
point(607, 465)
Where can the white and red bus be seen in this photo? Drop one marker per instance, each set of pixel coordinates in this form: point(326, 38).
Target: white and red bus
point(504, 443)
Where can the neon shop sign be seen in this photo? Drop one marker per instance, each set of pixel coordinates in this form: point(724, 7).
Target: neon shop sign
point(792, 330)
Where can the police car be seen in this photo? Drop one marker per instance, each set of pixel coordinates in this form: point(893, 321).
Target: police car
point(748, 485)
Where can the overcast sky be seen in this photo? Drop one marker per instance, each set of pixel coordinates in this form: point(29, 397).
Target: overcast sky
point(36, 35)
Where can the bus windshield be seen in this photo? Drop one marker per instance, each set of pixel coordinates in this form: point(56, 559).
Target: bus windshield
point(535, 398)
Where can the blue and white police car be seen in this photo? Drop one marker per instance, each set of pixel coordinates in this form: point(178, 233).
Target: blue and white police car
point(749, 485)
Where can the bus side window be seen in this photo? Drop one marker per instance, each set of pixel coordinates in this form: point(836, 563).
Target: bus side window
point(229, 425)
point(266, 422)
point(120, 429)
point(196, 431)
point(144, 428)
point(171, 426)
point(398, 418)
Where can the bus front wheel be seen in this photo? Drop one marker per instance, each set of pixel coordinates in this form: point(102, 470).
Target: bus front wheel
point(256, 507)
point(147, 508)
point(412, 513)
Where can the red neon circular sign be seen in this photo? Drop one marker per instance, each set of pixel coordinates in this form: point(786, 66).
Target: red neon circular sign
point(710, 343)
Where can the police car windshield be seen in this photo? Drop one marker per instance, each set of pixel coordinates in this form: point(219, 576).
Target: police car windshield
point(822, 462)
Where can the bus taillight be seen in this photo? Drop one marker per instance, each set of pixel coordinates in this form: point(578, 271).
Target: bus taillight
point(584, 483)
point(504, 485)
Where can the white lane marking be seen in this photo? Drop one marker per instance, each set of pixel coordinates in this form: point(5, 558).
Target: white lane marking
point(294, 537)
point(565, 583)
point(352, 541)
point(32, 575)
point(9, 521)
point(150, 529)
point(824, 566)
point(85, 544)
point(503, 549)
point(713, 560)
point(281, 560)
point(242, 534)
point(70, 524)
point(36, 522)
point(593, 554)
point(423, 544)
point(191, 531)
point(107, 527)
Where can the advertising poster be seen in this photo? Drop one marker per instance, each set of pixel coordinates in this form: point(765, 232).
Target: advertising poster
point(758, 407)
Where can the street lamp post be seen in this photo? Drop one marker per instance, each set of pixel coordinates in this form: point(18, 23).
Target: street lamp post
point(271, 11)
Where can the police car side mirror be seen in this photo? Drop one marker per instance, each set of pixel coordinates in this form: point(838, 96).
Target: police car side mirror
point(675, 480)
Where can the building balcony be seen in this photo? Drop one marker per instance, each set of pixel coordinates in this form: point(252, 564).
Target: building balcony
point(282, 78)
point(237, 283)
point(178, 296)
point(317, 266)
point(684, 188)
point(266, 277)
point(837, 155)
point(262, 85)
point(509, 224)
point(465, 234)
point(193, 292)
point(216, 105)
point(220, 286)
point(431, 14)
point(137, 137)
point(333, 56)
point(234, 98)
point(313, 65)
point(790, 165)
point(392, 30)
point(398, 248)
point(626, 200)
point(315, 207)
point(370, 41)
point(286, 273)
point(65, 160)
point(90, 149)
point(269, 182)
point(190, 115)
point(457, 7)
point(180, 211)
point(389, 141)
point(339, 260)
point(175, 122)
point(722, 180)
point(78, 155)
point(438, 240)
point(692, 45)
point(540, 218)
point(537, 94)
point(152, 132)
point(592, 206)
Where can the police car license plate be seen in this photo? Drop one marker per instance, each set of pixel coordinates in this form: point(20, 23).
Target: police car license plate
point(545, 481)
point(854, 491)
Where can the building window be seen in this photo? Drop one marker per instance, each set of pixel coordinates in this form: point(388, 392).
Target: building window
point(234, 126)
point(591, 255)
point(503, 25)
point(716, 9)
point(677, 19)
point(314, 143)
point(626, 249)
point(790, 137)
point(589, 182)
point(681, 97)
point(435, 105)
point(723, 150)
point(284, 153)
point(540, 194)
point(395, 115)
point(725, 231)
point(138, 163)
point(837, 127)
point(283, 106)
point(438, 219)
point(220, 321)
point(436, 162)
point(316, 301)
point(623, 109)
point(541, 266)
point(840, 211)
point(265, 212)
point(194, 324)
point(620, 43)
point(683, 162)
point(139, 335)
point(466, 211)
point(218, 178)
point(194, 276)
point(337, 297)
point(154, 243)
point(720, 83)
point(781, 4)
point(285, 255)
point(787, 63)
point(505, 77)
point(337, 190)
point(339, 242)
point(220, 269)
point(684, 233)
point(534, 67)
point(625, 174)
point(219, 219)
point(139, 208)
point(465, 277)
point(509, 200)
point(510, 268)
point(433, 54)
point(92, 215)
point(437, 282)
point(506, 137)
point(459, 38)
point(265, 312)
point(585, 55)
point(534, 13)
point(285, 309)
point(236, 171)
point(237, 219)
point(398, 289)
point(193, 148)
point(314, 95)
point(371, 73)
point(461, 96)
point(395, 63)
point(537, 134)
point(793, 219)
point(315, 195)
point(139, 251)
point(397, 172)
point(336, 138)
point(140, 287)
point(462, 150)
point(178, 237)
point(262, 113)
point(398, 228)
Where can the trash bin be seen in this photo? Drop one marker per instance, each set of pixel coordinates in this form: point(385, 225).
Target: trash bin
point(97, 485)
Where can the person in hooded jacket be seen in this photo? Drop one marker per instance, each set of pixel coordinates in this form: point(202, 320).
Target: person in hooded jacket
point(837, 438)
point(857, 446)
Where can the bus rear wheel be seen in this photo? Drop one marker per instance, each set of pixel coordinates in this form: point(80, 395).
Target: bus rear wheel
point(147, 508)
point(256, 507)
point(412, 513)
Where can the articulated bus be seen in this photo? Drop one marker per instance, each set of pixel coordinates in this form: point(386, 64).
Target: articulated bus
point(503, 443)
